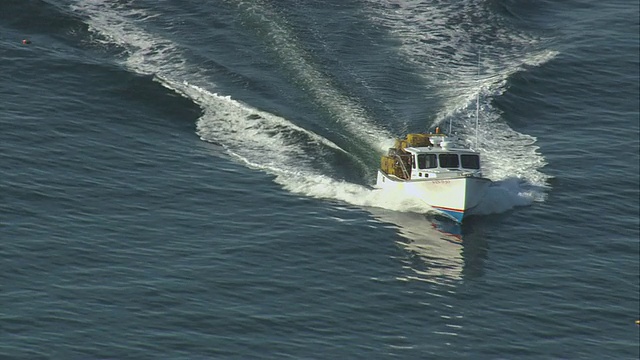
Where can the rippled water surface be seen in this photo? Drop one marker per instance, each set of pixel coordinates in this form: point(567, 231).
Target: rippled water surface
point(192, 180)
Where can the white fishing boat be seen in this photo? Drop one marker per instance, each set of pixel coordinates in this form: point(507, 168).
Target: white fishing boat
point(437, 169)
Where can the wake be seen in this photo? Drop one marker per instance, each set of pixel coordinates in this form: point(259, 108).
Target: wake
point(248, 133)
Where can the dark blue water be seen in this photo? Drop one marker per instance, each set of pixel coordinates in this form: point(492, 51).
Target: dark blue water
point(191, 180)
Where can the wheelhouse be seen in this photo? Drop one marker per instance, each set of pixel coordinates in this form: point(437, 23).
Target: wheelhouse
point(420, 156)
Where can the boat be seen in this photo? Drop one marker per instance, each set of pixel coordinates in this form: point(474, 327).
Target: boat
point(437, 169)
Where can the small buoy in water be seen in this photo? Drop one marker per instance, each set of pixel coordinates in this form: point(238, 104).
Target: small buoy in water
point(637, 322)
point(26, 42)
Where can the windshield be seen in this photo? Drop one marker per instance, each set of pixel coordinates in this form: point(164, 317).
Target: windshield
point(449, 160)
point(470, 161)
point(427, 161)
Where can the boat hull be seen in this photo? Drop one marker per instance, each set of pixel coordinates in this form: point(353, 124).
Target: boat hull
point(451, 196)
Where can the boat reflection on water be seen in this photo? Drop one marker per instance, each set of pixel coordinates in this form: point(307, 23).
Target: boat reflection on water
point(434, 245)
point(435, 262)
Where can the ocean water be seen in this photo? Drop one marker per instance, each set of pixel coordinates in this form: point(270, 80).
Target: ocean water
point(192, 179)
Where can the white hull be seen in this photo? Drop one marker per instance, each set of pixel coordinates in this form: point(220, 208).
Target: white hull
point(452, 196)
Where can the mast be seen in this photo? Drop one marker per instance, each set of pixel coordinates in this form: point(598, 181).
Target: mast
point(478, 105)
point(477, 116)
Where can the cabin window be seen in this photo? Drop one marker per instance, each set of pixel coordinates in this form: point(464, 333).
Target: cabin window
point(427, 161)
point(449, 160)
point(470, 161)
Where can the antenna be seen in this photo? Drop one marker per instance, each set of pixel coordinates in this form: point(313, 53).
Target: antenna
point(478, 105)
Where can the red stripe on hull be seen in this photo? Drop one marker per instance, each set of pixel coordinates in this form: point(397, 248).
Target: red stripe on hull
point(450, 209)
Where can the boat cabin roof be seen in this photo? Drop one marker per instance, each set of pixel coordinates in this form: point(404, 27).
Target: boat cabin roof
point(438, 150)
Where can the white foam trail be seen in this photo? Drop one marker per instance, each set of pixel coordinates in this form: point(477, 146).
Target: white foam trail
point(250, 124)
point(248, 133)
point(461, 91)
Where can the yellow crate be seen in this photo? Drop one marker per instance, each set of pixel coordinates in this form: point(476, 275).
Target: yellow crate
point(418, 140)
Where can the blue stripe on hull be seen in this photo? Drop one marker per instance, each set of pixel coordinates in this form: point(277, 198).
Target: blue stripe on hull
point(456, 215)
